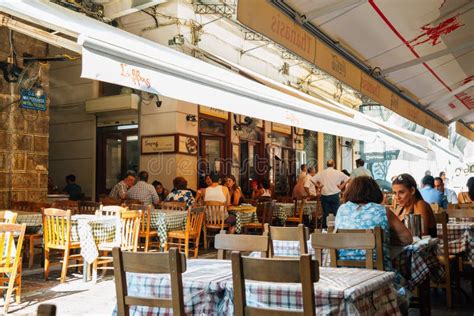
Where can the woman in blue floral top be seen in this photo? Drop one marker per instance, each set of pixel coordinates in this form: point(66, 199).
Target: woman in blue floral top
point(362, 210)
point(180, 193)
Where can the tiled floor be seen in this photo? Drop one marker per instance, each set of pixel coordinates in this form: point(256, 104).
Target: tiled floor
point(75, 297)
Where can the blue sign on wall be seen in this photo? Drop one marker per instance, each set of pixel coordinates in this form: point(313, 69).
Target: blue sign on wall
point(30, 101)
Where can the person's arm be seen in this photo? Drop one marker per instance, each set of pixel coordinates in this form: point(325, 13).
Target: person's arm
point(123, 193)
point(237, 195)
point(225, 190)
point(155, 198)
point(399, 234)
point(424, 209)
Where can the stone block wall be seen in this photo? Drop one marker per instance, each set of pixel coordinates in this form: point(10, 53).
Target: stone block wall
point(24, 133)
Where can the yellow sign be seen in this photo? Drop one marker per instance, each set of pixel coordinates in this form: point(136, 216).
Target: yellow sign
point(463, 130)
point(281, 128)
point(213, 112)
point(274, 24)
point(158, 144)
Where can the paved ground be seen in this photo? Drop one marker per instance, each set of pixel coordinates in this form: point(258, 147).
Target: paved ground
point(75, 297)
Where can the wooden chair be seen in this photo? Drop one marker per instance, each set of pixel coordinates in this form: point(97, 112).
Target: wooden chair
point(264, 216)
point(173, 206)
point(67, 205)
point(463, 197)
point(107, 200)
point(191, 234)
point(304, 271)
point(128, 202)
point(466, 205)
point(172, 262)
point(8, 217)
point(38, 206)
point(57, 236)
point(130, 221)
point(10, 265)
point(445, 258)
point(462, 213)
point(110, 210)
point(330, 222)
point(21, 206)
point(364, 240)
point(246, 243)
point(215, 219)
point(297, 217)
point(88, 207)
point(298, 233)
point(145, 222)
point(435, 207)
point(284, 199)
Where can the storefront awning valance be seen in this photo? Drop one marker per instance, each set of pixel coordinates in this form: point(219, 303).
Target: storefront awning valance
point(113, 55)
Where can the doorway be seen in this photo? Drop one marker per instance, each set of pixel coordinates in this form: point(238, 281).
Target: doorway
point(117, 152)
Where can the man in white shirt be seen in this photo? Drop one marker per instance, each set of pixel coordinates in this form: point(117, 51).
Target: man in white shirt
point(360, 170)
point(331, 181)
point(309, 186)
point(449, 196)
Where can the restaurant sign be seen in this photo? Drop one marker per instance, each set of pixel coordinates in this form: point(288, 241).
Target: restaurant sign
point(29, 100)
point(381, 156)
point(274, 24)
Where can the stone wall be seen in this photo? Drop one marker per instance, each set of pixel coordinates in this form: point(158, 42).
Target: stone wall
point(24, 133)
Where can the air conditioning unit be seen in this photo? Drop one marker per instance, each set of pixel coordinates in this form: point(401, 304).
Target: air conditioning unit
point(113, 103)
point(116, 8)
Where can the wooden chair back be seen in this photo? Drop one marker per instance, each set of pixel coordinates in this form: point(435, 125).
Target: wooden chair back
point(107, 200)
point(463, 197)
point(304, 271)
point(130, 229)
point(298, 233)
point(299, 209)
point(145, 216)
point(265, 211)
point(171, 262)
point(462, 213)
point(284, 199)
point(215, 213)
point(442, 218)
point(173, 206)
point(466, 205)
point(435, 207)
point(129, 202)
point(8, 217)
point(333, 242)
point(246, 243)
point(21, 206)
point(111, 210)
point(67, 205)
point(38, 206)
point(88, 207)
point(195, 219)
point(56, 227)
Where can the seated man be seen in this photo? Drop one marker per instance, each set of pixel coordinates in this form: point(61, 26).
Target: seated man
point(429, 193)
point(119, 191)
point(72, 188)
point(143, 191)
point(449, 196)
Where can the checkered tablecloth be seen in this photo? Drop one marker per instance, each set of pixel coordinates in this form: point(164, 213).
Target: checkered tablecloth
point(164, 221)
point(418, 261)
point(460, 239)
point(33, 221)
point(207, 286)
point(91, 230)
point(243, 215)
point(284, 210)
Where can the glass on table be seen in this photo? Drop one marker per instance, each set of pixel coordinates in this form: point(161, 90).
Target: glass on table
point(452, 220)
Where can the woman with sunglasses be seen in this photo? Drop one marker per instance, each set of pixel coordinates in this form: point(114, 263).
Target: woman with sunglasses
point(409, 201)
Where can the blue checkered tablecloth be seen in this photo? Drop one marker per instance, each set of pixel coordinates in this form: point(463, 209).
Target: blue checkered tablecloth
point(207, 286)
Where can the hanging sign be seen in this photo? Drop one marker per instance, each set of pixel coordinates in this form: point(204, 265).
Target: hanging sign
point(29, 100)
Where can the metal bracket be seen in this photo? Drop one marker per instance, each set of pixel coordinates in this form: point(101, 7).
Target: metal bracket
point(214, 8)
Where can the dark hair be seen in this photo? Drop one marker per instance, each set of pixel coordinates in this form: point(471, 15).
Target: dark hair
point(233, 179)
point(470, 187)
point(311, 169)
point(363, 190)
point(180, 183)
point(302, 166)
point(408, 181)
point(266, 184)
point(428, 180)
point(344, 171)
point(71, 178)
point(129, 173)
point(360, 162)
point(143, 176)
point(156, 183)
point(439, 179)
point(441, 173)
point(214, 177)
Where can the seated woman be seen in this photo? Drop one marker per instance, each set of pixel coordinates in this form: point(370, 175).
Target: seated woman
point(160, 190)
point(236, 196)
point(219, 193)
point(180, 193)
point(362, 210)
point(409, 201)
point(267, 191)
point(257, 190)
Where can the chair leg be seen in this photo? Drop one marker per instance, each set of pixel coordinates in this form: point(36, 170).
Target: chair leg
point(205, 239)
point(65, 263)
point(11, 285)
point(147, 242)
point(449, 293)
point(196, 246)
point(18, 284)
point(31, 253)
point(186, 247)
point(46, 263)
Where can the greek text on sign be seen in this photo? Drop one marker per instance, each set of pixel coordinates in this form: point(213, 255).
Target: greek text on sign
point(134, 76)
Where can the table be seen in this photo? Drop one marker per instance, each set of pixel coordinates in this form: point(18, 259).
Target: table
point(460, 238)
point(244, 214)
point(207, 290)
point(284, 210)
point(33, 221)
point(164, 221)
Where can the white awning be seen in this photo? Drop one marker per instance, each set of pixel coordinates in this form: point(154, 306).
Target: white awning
point(116, 56)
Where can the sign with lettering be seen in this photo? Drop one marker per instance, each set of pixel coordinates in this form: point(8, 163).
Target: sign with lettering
point(29, 100)
point(275, 25)
point(213, 112)
point(281, 128)
point(158, 144)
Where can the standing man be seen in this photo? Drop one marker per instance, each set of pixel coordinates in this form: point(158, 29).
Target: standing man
point(360, 170)
point(331, 181)
point(309, 186)
point(449, 196)
point(144, 191)
point(119, 191)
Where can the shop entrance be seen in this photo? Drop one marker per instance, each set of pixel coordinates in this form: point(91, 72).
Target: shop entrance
point(117, 152)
